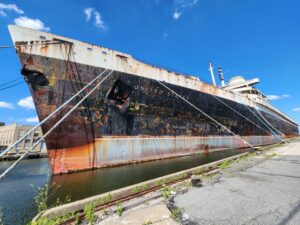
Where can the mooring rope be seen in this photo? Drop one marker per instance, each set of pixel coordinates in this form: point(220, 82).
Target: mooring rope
point(54, 126)
point(11, 86)
point(211, 118)
point(50, 115)
point(9, 82)
point(269, 123)
point(240, 114)
point(263, 122)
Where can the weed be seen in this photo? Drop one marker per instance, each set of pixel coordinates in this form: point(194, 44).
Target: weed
point(158, 182)
point(166, 192)
point(55, 221)
point(41, 198)
point(42, 195)
point(89, 211)
point(119, 209)
point(145, 187)
point(58, 202)
point(175, 213)
point(147, 223)
point(225, 165)
point(108, 197)
point(135, 190)
point(105, 199)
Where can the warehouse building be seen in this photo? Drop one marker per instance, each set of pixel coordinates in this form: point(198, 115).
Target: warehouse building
point(9, 134)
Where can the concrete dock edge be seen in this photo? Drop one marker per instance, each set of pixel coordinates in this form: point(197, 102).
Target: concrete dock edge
point(78, 206)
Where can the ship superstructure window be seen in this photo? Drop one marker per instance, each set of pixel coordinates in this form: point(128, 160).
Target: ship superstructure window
point(119, 94)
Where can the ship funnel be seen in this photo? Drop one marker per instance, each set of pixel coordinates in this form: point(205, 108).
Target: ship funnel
point(221, 76)
point(211, 69)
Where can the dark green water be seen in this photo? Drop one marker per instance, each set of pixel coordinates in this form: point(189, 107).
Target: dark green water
point(17, 195)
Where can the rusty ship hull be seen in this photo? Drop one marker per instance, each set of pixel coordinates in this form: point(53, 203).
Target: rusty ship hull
point(131, 117)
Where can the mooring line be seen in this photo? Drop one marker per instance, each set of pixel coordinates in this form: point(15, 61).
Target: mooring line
point(50, 115)
point(271, 132)
point(211, 118)
point(269, 123)
point(240, 113)
point(9, 82)
point(263, 122)
point(54, 126)
point(11, 86)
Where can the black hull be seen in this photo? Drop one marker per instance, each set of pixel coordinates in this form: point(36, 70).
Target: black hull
point(127, 105)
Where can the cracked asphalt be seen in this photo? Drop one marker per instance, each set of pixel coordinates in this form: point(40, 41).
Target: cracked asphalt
point(261, 190)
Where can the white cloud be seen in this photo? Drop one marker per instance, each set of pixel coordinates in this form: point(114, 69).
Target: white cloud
point(31, 23)
point(277, 97)
point(6, 105)
point(296, 109)
point(88, 12)
point(176, 15)
point(98, 21)
point(26, 103)
point(9, 7)
point(32, 119)
point(181, 6)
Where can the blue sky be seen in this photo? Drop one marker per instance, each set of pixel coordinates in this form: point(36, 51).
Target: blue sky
point(245, 37)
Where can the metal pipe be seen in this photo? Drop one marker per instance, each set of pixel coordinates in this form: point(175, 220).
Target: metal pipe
point(221, 76)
